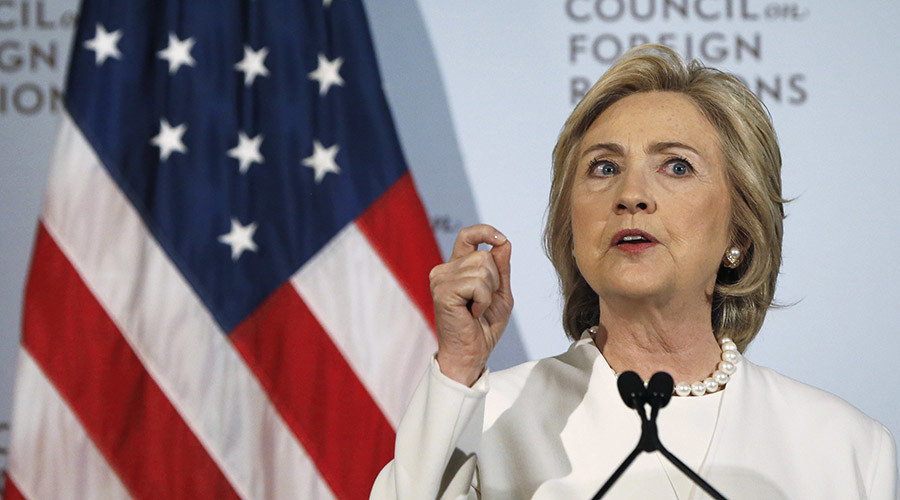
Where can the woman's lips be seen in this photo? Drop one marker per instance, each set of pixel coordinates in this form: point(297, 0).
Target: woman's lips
point(635, 247)
point(633, 241)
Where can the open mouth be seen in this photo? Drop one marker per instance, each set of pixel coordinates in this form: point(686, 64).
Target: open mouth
point(633, 240)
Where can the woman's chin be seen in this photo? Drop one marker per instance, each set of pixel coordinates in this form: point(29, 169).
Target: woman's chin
point(640, 291)
point(635, 286)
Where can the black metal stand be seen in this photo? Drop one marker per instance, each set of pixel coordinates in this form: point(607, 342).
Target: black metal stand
point(650, 442)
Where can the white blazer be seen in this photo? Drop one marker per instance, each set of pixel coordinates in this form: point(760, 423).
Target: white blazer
point(556, 429)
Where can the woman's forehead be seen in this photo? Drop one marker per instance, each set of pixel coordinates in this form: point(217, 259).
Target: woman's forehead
point(648, 121)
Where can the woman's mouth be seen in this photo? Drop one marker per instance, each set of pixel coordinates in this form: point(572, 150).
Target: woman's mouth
point(633, 240)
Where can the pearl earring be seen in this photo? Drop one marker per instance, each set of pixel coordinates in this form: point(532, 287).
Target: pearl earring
point(733, 257)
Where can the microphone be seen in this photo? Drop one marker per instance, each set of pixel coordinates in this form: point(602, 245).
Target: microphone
point(659, 389)
point(632, 390)
point(657, 393)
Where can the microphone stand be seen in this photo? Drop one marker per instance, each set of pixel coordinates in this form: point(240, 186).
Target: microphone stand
point(649, 442)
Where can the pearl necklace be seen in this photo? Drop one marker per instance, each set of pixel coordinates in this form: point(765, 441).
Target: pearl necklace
point(724, 370)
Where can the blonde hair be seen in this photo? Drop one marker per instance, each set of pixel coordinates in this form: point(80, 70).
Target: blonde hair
point(743, 295)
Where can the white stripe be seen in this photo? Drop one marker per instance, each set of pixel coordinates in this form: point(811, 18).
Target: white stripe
point(387, 342)
point(50, 454)
point(170, 330)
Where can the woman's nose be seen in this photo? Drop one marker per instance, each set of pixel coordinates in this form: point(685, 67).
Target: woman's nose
point(634, 194)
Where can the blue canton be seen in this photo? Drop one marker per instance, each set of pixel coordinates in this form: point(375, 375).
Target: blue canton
point(246, 133)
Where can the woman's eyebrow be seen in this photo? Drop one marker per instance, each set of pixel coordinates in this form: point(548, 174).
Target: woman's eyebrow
point(656, 147)
point(607, 146)
point(659, 147)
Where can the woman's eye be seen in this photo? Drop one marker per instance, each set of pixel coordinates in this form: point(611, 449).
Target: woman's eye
point(679, 168)
point(604, 168)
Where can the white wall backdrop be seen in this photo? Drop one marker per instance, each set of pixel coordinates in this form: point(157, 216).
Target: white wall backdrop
point(480, 89)
point(34, 46)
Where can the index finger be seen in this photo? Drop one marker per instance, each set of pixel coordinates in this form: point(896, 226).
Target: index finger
point(469, 238)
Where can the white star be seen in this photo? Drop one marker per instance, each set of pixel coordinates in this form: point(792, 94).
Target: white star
point(240, 238)
point(327, 73)
point(178, 53)
point(247, 151)
point(326, 3)
point(322, 160)
point(169, 139)
point(253, 64)
point(104, 44)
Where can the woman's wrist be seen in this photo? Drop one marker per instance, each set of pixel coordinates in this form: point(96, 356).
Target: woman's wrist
point(464, 371)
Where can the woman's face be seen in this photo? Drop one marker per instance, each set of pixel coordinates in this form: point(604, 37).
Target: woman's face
point(650, 201)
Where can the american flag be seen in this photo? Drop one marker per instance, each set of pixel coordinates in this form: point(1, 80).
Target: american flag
point(228, 294)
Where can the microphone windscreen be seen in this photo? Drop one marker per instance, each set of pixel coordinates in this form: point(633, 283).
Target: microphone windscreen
point(660, 389)
point(632, 389)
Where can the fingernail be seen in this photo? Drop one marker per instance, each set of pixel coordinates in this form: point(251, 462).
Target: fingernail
point(499, 239)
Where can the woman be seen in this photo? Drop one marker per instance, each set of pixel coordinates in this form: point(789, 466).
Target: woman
point(665, 226)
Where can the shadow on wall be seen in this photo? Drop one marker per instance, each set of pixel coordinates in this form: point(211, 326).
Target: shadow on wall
point(418, 103)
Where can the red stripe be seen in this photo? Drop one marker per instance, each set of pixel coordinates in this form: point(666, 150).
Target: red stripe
point(316, 392)
point(397, 228)
point(124, 412)
point(10, 492)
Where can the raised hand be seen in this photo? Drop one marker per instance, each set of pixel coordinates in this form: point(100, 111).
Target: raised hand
point(472, 302)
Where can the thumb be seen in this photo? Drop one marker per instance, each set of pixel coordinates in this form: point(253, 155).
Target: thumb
point(501, 255)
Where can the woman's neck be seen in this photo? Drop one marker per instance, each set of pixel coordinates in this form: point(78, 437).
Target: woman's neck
point(676, 338)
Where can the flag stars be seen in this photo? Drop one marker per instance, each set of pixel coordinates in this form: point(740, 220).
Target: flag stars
point(239, 238)
point(169, 139)
point(105, 44)
point(178, 53)
point(322, 160)
point(247, 151)
point(253, 64)
point(327, 73)
point(326, 3)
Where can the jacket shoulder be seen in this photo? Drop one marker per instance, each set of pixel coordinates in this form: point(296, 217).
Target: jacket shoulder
point(813, 414)
point(801, 399)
